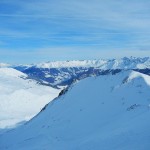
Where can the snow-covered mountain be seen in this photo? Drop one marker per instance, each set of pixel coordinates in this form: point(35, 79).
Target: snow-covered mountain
point(104, 64)
point(56, 74)
point(106, 112)
point(21, 98)
point(65, 72)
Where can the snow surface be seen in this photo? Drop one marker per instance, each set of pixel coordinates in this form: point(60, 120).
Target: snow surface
point(21, 98)
point(109, 112)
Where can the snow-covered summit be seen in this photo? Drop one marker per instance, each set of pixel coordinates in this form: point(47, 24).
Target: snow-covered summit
point(106, 112)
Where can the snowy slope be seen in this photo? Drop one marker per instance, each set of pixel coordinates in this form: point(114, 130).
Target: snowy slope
point(21, 98)
point(109, 112)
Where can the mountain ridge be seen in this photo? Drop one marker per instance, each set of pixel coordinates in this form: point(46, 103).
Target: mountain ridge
point(120, 63)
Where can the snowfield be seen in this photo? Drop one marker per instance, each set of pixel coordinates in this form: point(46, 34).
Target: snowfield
point(21, 98)
point(109, 112)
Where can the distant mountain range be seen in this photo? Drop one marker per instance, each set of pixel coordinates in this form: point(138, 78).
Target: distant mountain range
point(63, 73)
point(105, 64)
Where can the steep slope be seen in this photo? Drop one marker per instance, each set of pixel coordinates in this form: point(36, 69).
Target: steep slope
point(21, 98)
point(106, 112)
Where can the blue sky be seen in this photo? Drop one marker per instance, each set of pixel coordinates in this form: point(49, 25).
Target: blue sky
point(48, 30)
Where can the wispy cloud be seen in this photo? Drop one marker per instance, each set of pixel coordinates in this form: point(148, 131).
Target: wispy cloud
point(114, 24)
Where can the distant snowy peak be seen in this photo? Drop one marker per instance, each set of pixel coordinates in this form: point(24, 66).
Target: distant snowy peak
point(74, 63)
point(104, 64)
point(123, 63)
